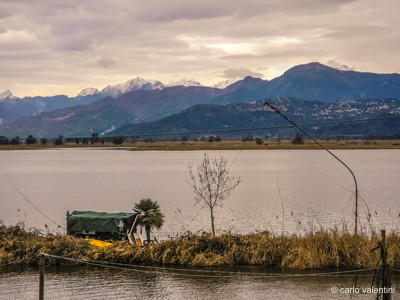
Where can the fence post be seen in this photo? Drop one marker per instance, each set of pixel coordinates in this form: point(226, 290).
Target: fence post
point(41, 276)
point(385, 269)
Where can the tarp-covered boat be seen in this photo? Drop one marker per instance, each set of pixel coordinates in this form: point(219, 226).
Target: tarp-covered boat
point(100, 225)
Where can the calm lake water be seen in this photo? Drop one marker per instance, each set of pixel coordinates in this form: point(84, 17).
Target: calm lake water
point(281, 191)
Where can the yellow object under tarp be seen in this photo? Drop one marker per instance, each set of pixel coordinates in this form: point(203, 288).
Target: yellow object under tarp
point(98, 243)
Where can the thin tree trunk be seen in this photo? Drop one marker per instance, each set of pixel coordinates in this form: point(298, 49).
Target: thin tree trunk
point(212, 220)
point(148, 229)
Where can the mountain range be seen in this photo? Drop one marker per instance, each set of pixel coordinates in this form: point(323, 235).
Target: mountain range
point(140, 101)
point(215, 118)
point(12, 107)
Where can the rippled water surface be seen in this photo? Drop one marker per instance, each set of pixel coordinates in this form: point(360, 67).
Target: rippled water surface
point(281, 191)
point(96, 283)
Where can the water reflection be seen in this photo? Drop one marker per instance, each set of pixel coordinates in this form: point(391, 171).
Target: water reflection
point(77, 282)
point(314, 190)
point(61, 180)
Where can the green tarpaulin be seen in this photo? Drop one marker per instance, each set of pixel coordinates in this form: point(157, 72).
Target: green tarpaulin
point(90, 221)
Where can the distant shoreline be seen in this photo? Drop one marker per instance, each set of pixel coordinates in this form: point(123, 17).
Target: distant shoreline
point(223, 145)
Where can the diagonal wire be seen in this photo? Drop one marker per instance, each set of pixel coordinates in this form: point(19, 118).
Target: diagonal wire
point(29, 201)
point(248, 136)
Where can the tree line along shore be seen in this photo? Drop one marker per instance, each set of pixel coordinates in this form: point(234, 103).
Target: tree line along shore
point(146, 144)
point(319, 250)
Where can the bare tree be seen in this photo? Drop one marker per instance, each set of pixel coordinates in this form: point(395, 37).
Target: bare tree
point(211, 183)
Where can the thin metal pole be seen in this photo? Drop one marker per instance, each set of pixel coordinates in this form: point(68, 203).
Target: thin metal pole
point(323, 147)
point(41, 277)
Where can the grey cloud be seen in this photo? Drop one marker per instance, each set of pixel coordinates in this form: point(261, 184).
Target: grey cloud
point(74, 43)
point(240, 73)
point(4, 14)
point(357, 30)
point(334, 64)
point(83, 24)
point(193, 39)
point(296, 52)
point(106, 62)
point(293, 52)
point(169, 11)
point(240, 57)
point(303, 8)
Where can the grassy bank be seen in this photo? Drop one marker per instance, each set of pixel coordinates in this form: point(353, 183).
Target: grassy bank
point(320, 250)
point(224, 145)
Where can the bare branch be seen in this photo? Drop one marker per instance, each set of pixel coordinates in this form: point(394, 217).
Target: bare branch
point(211, 183)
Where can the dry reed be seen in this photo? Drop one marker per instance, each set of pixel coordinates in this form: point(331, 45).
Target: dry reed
point(324, 249)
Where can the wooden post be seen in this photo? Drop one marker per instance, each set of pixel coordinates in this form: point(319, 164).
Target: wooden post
point(385, 269)
point(41, 276)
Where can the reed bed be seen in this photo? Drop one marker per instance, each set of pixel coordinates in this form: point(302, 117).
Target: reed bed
point(320, 250)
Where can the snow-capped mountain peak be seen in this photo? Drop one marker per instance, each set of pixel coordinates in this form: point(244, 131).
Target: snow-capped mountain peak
point(185, 82)
point(225, 83)
point(132, 85)
point(88, 92)
point(7, 95)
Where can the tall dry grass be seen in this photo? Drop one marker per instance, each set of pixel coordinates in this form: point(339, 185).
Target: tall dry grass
point(318, 250)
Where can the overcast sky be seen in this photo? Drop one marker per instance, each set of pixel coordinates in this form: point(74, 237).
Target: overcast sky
point(50, 47)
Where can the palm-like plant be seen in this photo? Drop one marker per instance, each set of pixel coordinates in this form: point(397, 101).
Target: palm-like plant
point(150, 215)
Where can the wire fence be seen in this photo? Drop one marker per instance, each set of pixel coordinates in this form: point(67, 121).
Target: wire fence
point(381, 277)
point(190, 271)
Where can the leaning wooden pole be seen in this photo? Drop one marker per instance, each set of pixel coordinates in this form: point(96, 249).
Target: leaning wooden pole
point(326, 149)
point(41, 276)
